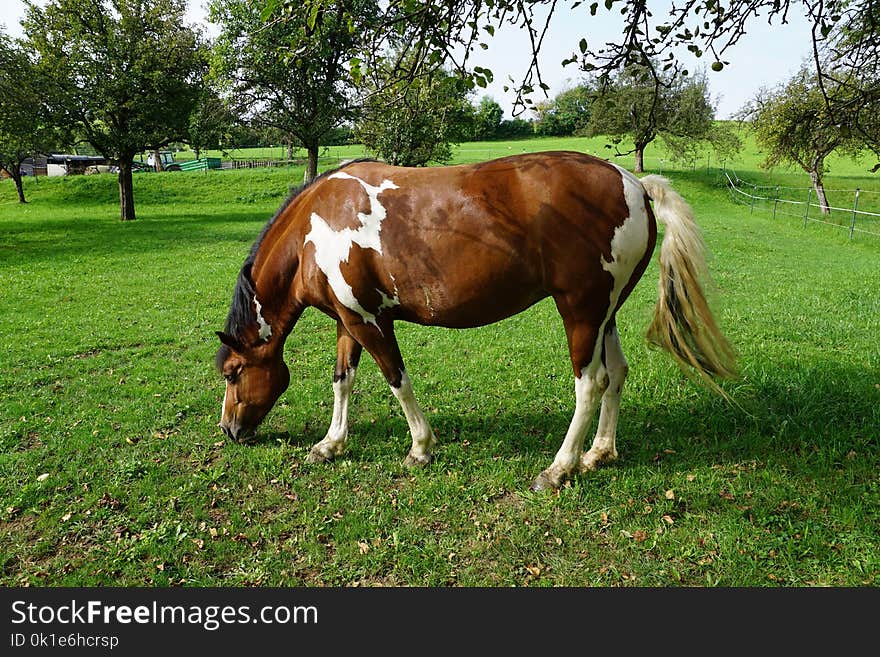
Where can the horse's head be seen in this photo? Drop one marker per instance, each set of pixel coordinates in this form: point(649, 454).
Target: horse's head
point(256, 376)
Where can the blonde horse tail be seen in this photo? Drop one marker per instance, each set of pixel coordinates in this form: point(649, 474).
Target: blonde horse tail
point(683, 324)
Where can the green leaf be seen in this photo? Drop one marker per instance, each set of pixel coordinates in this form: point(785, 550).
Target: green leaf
point(268, 10)
point(583, 46)
point(313, 16)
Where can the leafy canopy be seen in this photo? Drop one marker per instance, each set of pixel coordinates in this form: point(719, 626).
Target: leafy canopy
point(288, 68)
point(413, 123)
point(635, 106)
point(792, 125)
point(25, 125)
point(124, 73)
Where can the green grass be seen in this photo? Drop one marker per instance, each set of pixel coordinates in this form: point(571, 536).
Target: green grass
point(113, 472)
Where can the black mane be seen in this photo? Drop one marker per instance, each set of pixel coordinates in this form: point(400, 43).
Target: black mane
point(241, 311)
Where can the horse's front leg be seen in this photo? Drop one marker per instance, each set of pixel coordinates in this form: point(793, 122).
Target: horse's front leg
point(423, 438)
point(383, 347)
point(348, 353)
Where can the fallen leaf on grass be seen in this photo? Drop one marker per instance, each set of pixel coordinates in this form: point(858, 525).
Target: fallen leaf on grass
point(534, 571)
point(43, 477)
point(639, 536)
point(670, 494)
point(363, 547)
point(668, 520)
point(67, 516)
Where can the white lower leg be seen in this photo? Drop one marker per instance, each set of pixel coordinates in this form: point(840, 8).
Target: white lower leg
point(334, 442)
point(604, 448)
point(588, 389)
point(422, 436)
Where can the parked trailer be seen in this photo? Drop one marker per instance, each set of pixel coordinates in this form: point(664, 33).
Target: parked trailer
point(203, 163)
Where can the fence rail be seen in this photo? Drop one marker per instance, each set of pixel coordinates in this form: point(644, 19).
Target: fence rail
point(852, 218)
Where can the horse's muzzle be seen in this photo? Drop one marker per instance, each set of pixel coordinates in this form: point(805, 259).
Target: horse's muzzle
point(236, 432)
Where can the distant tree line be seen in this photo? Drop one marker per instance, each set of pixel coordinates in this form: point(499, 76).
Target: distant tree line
point(128, 76)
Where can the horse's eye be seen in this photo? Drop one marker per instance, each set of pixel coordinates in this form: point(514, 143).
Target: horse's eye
point(231, 377)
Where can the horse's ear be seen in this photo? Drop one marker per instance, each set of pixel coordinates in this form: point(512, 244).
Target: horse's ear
point(229, 341)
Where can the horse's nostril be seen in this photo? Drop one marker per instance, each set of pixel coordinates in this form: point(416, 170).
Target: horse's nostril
point(226, 431)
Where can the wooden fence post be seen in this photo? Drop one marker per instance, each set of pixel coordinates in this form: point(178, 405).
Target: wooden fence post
point(775, 201)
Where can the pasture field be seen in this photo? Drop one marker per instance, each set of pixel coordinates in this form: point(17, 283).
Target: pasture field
point(113, 471)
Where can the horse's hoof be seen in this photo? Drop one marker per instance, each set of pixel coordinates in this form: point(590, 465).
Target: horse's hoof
point(590, 461)
point(413, 461)
point(543, 482)
point(316, 455)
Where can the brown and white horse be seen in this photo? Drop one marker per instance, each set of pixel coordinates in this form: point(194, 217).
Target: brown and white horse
point(464, 246)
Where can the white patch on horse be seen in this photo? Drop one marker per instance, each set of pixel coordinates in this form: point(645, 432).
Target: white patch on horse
point(265, 328)
point(332, 247)
point(630, 238)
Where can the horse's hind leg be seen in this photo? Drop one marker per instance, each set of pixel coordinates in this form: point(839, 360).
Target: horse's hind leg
point(383, 347)
point(604, 449)
point(591, 381)
point(348, 353)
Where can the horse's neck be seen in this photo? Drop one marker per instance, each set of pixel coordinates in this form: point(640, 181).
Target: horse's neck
point(274, 284)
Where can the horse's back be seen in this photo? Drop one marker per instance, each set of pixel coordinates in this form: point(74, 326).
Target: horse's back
point(471, 244)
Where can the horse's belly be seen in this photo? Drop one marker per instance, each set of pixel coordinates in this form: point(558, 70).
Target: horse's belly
point(465, 297)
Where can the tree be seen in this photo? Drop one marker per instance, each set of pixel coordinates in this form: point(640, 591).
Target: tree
point(286, 69)
point(634, 106)
point(211, 123)
point(25, 126)
point(516, 128)
point(123, 73)
point(565, 115)
point(413, 123)
point(793, 125)
point(487, 119)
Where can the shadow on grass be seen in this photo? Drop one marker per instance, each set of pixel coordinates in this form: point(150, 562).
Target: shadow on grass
point(71, 238)
point(826, 409)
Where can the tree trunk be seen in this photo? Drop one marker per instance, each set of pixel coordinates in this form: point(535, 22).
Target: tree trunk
point(640, 158)
point(819, 188)
point(312, 165)
point(157, 161)
point(15, 171)
point(126, 190)
point(289, 151)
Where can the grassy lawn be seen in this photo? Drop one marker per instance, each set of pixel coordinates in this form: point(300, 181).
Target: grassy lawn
point(113, 471)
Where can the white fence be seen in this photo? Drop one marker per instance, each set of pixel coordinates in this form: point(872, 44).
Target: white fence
point(779, 199)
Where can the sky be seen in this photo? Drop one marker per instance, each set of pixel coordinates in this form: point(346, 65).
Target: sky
point(765, 57)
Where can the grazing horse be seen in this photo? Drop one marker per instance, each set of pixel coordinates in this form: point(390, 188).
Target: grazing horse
point(464, 246)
